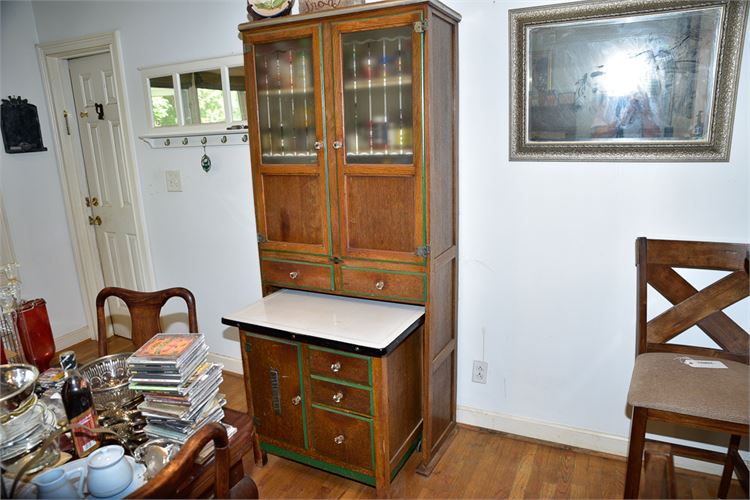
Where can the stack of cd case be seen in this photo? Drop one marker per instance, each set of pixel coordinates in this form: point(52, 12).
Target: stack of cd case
point(180, 387)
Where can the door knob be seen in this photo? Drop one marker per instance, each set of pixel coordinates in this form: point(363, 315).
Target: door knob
point(337, 144)
point(95, 221)
point(338, 397)
point(335, 367)
point(318, 145)
point(296, 400)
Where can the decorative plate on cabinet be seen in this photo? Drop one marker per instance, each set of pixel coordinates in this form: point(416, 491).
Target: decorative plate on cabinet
point(264, 9)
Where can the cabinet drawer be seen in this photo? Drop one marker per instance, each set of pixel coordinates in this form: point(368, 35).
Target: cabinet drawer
point(341, 396)
point(296, 274)
point(377, 283)
point(333, 364)
point(343, 438)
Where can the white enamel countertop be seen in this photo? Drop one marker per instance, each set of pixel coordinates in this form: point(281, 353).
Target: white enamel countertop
point(362, 322)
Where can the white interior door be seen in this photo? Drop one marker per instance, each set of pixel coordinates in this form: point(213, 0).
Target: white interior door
point(112, 213)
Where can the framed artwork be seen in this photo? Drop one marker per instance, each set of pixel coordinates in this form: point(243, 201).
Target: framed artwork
point(625, 80)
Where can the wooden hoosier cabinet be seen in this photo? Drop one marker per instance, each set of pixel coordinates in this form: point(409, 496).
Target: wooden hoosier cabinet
point(353, 121)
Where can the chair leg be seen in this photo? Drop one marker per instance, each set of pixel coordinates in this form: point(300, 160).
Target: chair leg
point(726, 476)
point(635, 452)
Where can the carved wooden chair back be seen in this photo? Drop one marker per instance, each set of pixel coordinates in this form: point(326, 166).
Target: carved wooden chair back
point(178, 473)
point(683, 384)
point(145, 311)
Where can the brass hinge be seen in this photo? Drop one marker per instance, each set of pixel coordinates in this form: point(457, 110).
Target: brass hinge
point(423, 251)
point(261, 238)
point(247, 47)
point(420, 26)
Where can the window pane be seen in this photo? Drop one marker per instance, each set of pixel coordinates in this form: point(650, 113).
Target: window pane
point(377, 67)
point(286, 101)
point(162, 101)
point(202, 97)
point(237, 93)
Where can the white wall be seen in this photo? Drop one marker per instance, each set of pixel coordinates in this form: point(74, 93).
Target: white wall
point(30, 185)
point(547, 276)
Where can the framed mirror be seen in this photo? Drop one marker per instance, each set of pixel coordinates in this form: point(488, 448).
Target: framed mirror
point(633, 80)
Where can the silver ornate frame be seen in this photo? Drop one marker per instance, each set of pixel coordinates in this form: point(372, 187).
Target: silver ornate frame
point(716, 148)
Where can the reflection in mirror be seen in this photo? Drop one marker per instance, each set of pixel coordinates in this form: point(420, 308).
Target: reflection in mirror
point(639, 78)
point(237, 93)
point(202, 97)
point(162, 101)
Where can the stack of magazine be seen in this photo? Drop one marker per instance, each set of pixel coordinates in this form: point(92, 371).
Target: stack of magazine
point(180, 387)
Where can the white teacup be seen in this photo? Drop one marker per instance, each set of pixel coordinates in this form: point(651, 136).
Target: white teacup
point(56, 483)
point(108, 472)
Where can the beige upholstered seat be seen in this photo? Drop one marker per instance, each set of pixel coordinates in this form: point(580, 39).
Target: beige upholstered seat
point(661, 381)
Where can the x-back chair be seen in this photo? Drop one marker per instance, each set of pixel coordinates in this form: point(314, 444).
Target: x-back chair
point(664, 385)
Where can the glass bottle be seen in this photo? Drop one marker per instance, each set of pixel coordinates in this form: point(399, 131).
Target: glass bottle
point(79, 405)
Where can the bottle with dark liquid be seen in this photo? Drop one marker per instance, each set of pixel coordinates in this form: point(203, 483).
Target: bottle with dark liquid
point(79, 405)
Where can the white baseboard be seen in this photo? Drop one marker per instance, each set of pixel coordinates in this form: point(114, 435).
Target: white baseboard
point(561, 434)
point(231, 364)
point(72, 338)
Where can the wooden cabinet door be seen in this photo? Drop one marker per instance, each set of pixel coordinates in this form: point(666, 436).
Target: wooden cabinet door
point(275, 378)
point(285, 96)
point(377, 78)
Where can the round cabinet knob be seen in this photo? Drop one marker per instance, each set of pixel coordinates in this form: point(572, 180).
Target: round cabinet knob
point(339, 439)
point(318, 145)
point(338, 397)
point(294, 275)
point(296, 400)
point(335, 367)
point(337, 144)
point(380, 285)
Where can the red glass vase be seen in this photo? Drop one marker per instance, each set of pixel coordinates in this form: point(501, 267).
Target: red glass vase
point(35, 333)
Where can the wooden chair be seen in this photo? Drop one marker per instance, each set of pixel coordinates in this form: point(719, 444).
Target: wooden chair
point(663, 387)
point(171, 480)
point(145, 310)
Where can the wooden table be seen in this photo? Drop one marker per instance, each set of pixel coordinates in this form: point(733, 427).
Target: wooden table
point(239, 445)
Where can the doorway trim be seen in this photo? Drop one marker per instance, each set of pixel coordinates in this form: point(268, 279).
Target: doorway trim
point(53, 61)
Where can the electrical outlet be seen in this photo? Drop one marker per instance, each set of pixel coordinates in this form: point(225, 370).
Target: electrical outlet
point(174, 183)
point(479, 372)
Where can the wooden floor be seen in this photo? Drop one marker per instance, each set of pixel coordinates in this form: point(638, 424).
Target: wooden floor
point(477, 464)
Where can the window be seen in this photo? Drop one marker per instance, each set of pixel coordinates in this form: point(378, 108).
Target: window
point(199, 95)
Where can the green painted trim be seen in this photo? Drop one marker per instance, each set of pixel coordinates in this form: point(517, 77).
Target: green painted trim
point(341, 382)
point(328, 467)
point(406, 456)
point(321, 74)
point(302, 395)
point(341, 412)
point(274, 259)
point(424, 145)
point(387, 260)
point(288, 285)
point(334, 351)
point(388, 271)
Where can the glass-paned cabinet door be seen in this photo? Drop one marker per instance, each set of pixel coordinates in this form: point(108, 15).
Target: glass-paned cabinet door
point(285, 93)
point(376, 69)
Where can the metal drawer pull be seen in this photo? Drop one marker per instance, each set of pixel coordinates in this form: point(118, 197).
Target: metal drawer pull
point(335, 367)
point(339, 439)
point(380, 285)
point(294, 275)
point(296, 400)
point(338, 397)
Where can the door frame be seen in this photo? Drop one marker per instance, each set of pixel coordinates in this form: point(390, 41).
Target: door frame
point(53, 62)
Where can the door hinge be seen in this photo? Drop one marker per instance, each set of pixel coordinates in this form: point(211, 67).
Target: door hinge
point(420, 26)
point(423, 251)
point(261, 238)
point(248, 347)
point(247, 47)
point(335, 260)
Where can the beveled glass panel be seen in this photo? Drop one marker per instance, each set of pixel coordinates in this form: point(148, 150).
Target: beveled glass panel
point(237, 93)
point(377, 80)
point(286, 101)
point(202, 97)
point(163, 106)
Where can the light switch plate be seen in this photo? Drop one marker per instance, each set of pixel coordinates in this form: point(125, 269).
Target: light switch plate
point(174, 182)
